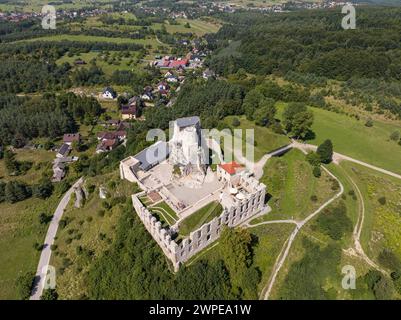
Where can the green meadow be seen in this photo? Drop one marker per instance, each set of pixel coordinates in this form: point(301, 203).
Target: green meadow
point(352, 138)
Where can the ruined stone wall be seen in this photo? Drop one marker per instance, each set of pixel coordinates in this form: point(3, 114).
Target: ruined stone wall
point(207, 233)
point(154, 227)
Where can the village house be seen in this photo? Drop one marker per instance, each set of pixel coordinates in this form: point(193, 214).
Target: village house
point(109, 93)
point(69, 138)
point(132, 110)
point(172, 79)
point(147, 94)
point(163, 86)
point(63, 151)
point(106, 145)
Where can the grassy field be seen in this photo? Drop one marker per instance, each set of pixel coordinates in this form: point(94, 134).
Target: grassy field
point(19, 230)
point(200, 217)
point(290, 182)
point(197, 26)
point(265, 139)
point(89, 231)
point(164, 213)
point(85, 38)
point(352, 138)
point(108, 67)
point(382, 222)
point(36, 5)
point(270, 240)
point(40, 158)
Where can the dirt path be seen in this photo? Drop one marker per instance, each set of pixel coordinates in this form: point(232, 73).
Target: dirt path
point(357, 250)
point(287, 245)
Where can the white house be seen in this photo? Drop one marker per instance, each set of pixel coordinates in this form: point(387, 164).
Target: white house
point(109, 93)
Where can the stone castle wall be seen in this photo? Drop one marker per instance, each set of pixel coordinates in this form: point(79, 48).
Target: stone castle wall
point(232, 216)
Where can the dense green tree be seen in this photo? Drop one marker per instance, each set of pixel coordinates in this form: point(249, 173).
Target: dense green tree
point(43, 189)
point(24, 285)
point(17, 191)
point(325, 151)
point(334, 221)
point(264, 115)
point(49, 294)
point(301, 124)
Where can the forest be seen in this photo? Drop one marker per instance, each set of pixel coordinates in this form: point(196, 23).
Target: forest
point(51, 116)
point(309, 47)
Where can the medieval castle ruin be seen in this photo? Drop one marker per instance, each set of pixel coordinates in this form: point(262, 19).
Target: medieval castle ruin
point(175, 173)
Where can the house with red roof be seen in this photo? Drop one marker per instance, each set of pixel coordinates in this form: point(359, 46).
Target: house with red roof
point(229, 171)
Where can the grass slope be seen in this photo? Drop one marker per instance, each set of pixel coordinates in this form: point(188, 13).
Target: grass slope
point(352, 138)
point(290, 181)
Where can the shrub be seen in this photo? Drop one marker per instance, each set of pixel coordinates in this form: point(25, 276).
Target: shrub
point(369, 123)
point(101, 213)
point(317, 171)
point(24, 285)
point(44, 218)
point(382, 200)
point(235, 122)
point(63, 223)
point(335, 222)
point(313, 158)
point(49, 294)
point(37, 246)
point(313, 198)
point(389, 260)
point(395, 136)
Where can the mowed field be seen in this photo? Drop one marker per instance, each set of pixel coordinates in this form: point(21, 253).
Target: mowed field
point(19, 223)
point(85, 38)
point(291, 184)
point(352, 138)
point(265, 139)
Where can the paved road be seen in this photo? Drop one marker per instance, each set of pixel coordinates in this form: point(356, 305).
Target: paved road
point(46, 252)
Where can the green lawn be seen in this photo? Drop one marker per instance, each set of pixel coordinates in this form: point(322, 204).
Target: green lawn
point(265, 139)
point(197, 26)
point(164, 212)
point(200, 217)
point(290, 182)
point(352, 138)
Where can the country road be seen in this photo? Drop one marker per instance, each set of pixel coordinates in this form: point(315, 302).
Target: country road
point(46, 251)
